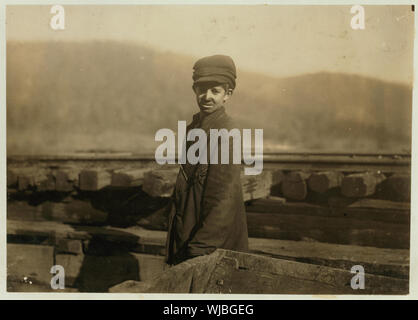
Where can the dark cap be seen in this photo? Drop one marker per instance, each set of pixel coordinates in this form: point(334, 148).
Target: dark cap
point(217, 68)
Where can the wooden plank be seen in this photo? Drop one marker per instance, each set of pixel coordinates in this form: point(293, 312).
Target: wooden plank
point(361, 184)
point(160, 182)
point(132, 237)
point(255, 187)
point(328, 229)
point(366, 210)
point(128, 177)
point(294, 185)
point(278, 200)
point(75, 211)
point(94, 179)
point(48, 229)
point(323, 181)
point(380, 261)
point(381, 204)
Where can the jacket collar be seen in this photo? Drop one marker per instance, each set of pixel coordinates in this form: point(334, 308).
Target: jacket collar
point(208, 121)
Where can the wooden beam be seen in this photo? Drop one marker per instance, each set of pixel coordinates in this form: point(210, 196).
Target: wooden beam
point(94, 179)
point(255, 187)
point(66, 179)
point(366, 210)
point(277, 177)
point(160, 182)
point(397, 187)
point(135, 237)
point(339, 230)
point(323, 181)
point(294, 185)
point(128, 177)
point(361, 184)
point(276, 185)
point(380, 261)
point(75, 211)
point(32, 178)
point(276, 199)
point(45, 182)
point(25, 181)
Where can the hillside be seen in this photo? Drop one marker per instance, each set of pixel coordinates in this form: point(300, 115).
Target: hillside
point(66, 97)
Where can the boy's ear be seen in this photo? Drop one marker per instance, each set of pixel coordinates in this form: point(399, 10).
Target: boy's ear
point(228, 94)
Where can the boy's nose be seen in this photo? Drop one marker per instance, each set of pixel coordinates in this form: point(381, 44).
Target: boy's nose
point(209, 94)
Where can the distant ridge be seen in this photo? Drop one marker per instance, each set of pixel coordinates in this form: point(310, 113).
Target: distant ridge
point(67, 96)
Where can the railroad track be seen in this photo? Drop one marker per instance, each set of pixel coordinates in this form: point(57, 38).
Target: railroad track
point(385, 163)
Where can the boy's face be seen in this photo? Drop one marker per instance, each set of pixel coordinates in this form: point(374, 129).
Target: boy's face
point(210, 96)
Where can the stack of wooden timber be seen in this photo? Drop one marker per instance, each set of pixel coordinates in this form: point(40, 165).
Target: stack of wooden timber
point(291, 185)
point(369, 208)
point(87, 217)
point(157, 182)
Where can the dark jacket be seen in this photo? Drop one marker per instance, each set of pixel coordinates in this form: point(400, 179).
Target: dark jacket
point(208, 210)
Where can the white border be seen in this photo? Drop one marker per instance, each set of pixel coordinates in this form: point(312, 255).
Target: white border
point(4, 295)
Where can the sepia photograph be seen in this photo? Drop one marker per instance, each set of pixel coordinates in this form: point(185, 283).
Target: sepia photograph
point(201, 149)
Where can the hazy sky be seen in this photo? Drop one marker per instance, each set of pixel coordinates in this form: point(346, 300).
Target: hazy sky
point(272, 39)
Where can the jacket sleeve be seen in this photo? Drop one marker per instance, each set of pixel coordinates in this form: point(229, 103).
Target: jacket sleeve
point(217, 207)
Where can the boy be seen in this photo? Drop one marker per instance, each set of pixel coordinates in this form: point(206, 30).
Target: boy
point(208, 210)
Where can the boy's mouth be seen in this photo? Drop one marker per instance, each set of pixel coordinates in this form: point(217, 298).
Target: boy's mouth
point(206, 105)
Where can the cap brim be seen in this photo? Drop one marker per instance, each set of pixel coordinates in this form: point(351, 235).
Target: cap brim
point(212, 78)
